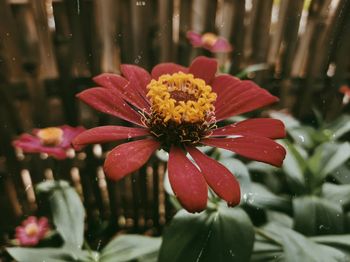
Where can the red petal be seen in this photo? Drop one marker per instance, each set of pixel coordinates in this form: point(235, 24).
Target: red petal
point(266, 127)
point(32, 144)
point(237, 97)
point(105, 134)
point(204, 68)
point(218, 177)
point(187, 181)
point(167, 68)
point(257, 148)
point(69, 133)
point(110, 80)
point(195, 39)
point(108, 101)
point(221, 45)
point(138, 77)
point(127, 158)
point(121, 85)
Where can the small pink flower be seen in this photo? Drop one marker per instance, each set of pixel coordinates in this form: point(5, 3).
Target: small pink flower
point(344, 89)
point(54, 141)
point(209, 41)
point(32, 231)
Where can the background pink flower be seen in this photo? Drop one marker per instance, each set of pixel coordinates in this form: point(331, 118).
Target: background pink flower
point(32, 231)
point(209, 41)
point(53, 141)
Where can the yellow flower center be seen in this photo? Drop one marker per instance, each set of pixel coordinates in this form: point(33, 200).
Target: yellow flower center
point(209, 39)
point(32, 229)
point(181, 98)
point(51, 136)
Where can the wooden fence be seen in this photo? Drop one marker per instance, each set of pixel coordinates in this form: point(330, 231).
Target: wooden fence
point(49, 50)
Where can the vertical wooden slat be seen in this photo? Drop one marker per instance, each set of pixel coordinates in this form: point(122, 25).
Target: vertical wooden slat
point(259, 35)
point(137, 32)
point(320, 51)
point(202, 21)
point(237, 35)
point(342, 71)
point(47, 65)
point(184, 26)
point(106, 51)
point(9, 41)
point(30, 50)
point(165, 31)
point(283, 46)
point(284, 40)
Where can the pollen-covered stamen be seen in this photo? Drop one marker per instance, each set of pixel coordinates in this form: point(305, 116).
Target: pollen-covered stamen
point(181, 98)
point(209, 39)
point(51, 136)
point(32, 229)
point(182, 110)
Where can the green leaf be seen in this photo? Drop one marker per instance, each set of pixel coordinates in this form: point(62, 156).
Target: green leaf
point(337, 128)
point(294, 166)
point(50, 185)
point(336, 157)
point(288, 120)
point(265, 250)
point(316, 216)
point(327, 158)
point(279, 218)
point(225, 234)
point(47, 254)
point(251, 69)
point(131, 248)
point(342, 174)
point(68, 215)
point(341, 242)
point(261, 197)
point(303, 136)
point(339, 194)
point(240, 171)
point(260, 167)
point(296, 247)
point(224, 153)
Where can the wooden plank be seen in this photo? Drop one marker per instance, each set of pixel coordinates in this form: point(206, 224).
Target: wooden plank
point(342, 70)
point(73, 51)
point(164, 37)
point(184, 47)
point(284, 39)
point(237, 35)
point(47, 64)
point(259, 33)
point(106, 51)
point(326, 45)
point(203, 20)
point(283, 48)
point(320, 51)
point(29, 48)
point(259, 36)
point(9, 41)
point(138, 32)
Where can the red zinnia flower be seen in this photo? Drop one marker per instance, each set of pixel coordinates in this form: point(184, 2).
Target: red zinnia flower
point(54, 141)
point(177, 109)
point(209, 41)
point(346, 91)
point(32, 231)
